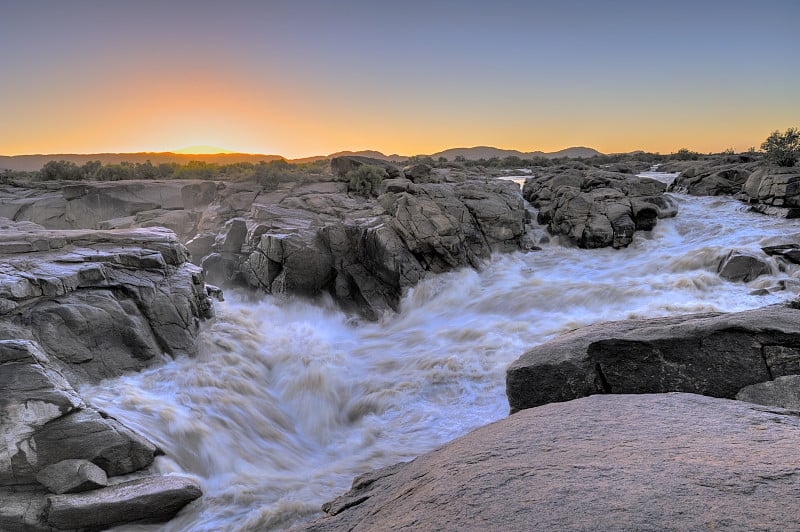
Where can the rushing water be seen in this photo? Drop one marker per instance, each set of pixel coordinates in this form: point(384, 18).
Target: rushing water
point(287, 401)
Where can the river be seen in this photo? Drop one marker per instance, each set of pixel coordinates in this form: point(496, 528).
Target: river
point(288, 400)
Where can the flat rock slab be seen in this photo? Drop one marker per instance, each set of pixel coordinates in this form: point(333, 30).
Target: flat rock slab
point(710, 354)
point(150, 499)
point(611, 462)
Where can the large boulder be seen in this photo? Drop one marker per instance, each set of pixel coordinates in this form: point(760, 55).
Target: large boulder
point(775, 191)
point(596, 208)
point(627, 462)
point(711, 354)
point(742, 266)
point(722, 180)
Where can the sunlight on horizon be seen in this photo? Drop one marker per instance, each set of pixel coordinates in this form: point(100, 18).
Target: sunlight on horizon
point(203, 149)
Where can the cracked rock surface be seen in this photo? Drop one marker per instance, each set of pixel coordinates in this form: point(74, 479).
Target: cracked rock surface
point(596, 208)
point(606, 462)
point(79, 306)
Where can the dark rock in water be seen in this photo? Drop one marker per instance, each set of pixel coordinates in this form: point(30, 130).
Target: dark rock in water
point(775, 191)
point(627, 462)
point(596, 208)
point(149, 499)
point(72, 476)
point(714, 181)
point(709, 354)
point(783, 392)
point(790, 252)
point(742, 267)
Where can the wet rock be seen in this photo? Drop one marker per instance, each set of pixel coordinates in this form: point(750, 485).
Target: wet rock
point(710, 354)
point(596, 208)
point(626, 462)
point(72, 476)
point(783, 392)
point(742, 267)
point(44, 422)
point(149, 500)
point(725, 180)
point(790, 252)
point(775, 191)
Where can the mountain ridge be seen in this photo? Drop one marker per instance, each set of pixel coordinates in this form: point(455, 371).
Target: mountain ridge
point(34, 162)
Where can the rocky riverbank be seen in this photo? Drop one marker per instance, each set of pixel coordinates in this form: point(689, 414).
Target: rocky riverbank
point(77, 306)
point(305, 237)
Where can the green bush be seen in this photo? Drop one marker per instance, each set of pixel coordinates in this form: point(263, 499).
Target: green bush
point(685, 154)
point(782, 149)
point(365, 180)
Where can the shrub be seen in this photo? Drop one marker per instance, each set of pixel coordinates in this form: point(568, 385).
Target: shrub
point(685, 154)
point(782, 149)
point(365, 180)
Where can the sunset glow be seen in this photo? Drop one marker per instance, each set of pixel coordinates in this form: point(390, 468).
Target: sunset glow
point(310, 78)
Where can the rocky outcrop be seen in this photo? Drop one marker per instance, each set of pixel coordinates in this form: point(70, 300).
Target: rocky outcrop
point(595, 208)
point(101, 302)
point(366, 251)
point(79, 306)
point(305, 237)
point(628, 462)
point(176, 204)
point(709, 354)
point(775, 191)
point(725, 180)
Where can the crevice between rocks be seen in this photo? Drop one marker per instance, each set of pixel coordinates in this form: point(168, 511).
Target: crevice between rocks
point(601, 378)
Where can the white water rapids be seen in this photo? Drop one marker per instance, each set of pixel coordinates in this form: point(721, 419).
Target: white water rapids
point(287, 401)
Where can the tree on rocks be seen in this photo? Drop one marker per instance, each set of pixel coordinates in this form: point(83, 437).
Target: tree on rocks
point(782, 149)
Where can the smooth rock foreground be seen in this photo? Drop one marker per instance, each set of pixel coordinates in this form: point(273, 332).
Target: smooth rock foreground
point(625, 462)
point(80, 306)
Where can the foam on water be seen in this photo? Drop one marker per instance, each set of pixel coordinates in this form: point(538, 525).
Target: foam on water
point(287, 401)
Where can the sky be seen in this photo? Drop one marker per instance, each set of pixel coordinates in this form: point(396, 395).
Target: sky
point(304, 77)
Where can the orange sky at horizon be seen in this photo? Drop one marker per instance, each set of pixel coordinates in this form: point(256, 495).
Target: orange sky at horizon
point(308, 78)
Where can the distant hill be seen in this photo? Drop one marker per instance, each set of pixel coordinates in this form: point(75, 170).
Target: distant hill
point(36, 162)
point(487, 152)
